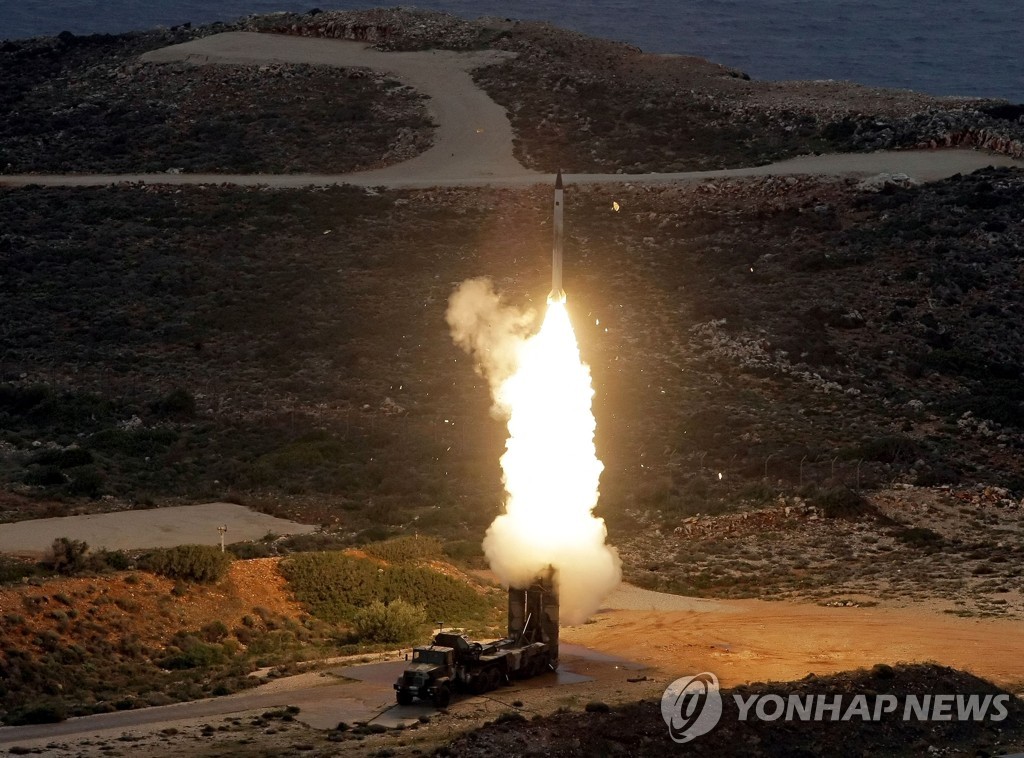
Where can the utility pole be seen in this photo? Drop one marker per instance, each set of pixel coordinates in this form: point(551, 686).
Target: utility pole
point(222, 529)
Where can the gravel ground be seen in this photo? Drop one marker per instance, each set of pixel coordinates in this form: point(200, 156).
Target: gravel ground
point(157, 527)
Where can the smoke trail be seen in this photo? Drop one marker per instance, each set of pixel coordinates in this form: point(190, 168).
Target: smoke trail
point(551, 470)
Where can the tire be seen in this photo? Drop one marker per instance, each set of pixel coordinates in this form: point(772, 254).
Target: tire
point(543, 665)
point(442, 697)
point(478, 683)
point(493, 679)
point(404, 697)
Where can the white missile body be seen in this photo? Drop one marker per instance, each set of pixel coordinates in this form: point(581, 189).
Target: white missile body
point(557, 293)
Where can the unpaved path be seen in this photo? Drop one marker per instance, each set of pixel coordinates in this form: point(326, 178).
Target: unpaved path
point(473, 140)
point(151, 528)
point(922, 165)
point(752, 640)
point(473, 136)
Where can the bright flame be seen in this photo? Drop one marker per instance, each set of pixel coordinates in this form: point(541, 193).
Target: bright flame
point(551, 470)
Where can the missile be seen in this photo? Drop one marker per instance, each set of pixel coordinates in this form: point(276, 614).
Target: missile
point(557, 293)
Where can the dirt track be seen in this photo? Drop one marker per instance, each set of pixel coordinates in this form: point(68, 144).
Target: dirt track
point(473, 137)
point(473, 140)
point(751, 640)
point(151, 528)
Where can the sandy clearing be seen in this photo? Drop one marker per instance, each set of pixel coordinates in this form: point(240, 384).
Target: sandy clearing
point(155, 527)
point(751, 640)
point(473, 138)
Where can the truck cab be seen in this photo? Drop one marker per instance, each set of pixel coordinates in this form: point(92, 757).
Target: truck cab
point(428, 676)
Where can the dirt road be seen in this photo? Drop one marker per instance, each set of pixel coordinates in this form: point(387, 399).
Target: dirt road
point(473, 141)
point(751, 640)
point(473, 136)
point(150, 528)
point(922, 165)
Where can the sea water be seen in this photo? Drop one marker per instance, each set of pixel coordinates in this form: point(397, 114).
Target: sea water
point(943, 47)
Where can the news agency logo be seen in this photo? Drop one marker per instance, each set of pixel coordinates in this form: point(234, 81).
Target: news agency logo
point(691, 706)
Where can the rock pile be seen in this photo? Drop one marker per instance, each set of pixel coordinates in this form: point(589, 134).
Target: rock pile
point(384, 28)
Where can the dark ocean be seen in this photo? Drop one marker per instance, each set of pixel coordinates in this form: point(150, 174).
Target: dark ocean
point(944, 47)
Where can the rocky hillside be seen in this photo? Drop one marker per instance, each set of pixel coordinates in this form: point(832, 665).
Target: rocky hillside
point(638, 729)
point(591, 105)
point(788, 333)
point(87, 104)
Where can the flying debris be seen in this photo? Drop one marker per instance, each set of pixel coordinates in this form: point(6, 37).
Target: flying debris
point(557, 293)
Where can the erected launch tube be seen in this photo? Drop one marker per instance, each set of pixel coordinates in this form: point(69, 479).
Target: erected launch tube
point(557, 293)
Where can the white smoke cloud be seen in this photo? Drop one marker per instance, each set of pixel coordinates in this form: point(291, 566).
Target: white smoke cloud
point(551, 471)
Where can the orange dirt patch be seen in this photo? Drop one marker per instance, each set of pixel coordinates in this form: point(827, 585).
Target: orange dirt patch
point(142, 604)
point(751, 640)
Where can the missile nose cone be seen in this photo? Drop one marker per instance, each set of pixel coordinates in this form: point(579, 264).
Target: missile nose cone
point(558, 180)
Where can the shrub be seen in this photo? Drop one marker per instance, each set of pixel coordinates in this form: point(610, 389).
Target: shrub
point(192, 654)
point(464, 550)
point(397, 621)
point(118, 560)
point(510, 717)
point(408, 549)
point(13, 570)
point(248, 550)
point(44, 476)
point(842, 502)
point(919, 537)
point(195, 563)
point(69, 458)
point(68, 555)
point(41, 713)
point(334, 586)
point(215, 631)
point(176, 404)
point(86, 482)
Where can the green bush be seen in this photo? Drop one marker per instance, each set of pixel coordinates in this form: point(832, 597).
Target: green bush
point(68, 555)
point(50, 712)
point(334, 586)
point(248, 550)
point(215, 631)
point(190, 653)
point(407, 549)
point(194, 563)
point(86, 482)
point(13, 570)
point(397, 621)
point(842, 502)
point(117, 560)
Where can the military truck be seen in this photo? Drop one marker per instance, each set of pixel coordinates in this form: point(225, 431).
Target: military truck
point(455, 663)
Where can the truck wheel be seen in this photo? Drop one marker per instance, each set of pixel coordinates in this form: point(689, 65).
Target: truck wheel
point(404, 697)
point(478, 683)
point(493, 679)
point(442, 697)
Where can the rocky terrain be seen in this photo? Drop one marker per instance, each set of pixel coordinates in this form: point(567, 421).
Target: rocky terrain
point(589, 105)
point(958, 546)
point(806, 388)
point(638, 729)
point(87, 104)
point(809, 340)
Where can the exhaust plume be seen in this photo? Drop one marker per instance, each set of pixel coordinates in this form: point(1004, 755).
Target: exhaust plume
point(550, 466)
